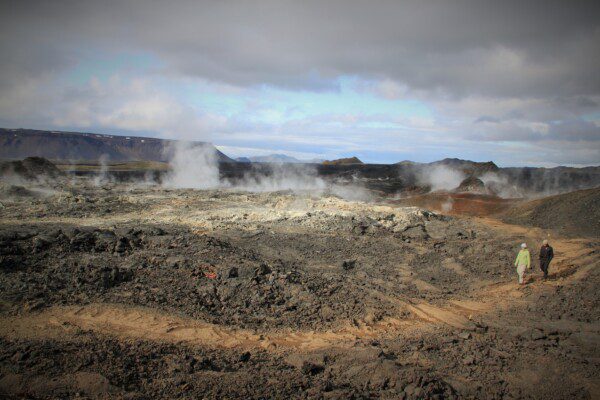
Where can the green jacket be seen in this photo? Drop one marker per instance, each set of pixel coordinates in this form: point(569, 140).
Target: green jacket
point(523, 258)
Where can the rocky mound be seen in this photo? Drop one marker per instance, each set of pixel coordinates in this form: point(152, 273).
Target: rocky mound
point(343, 161)
point(471, 184)
point(30, 169)
point(574, 214)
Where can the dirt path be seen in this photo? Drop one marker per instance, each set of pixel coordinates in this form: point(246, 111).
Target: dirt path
point(142, 323)
point(573, 258)
point(573, 261)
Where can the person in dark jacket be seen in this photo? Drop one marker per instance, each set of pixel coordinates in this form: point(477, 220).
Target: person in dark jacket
point(546, 255)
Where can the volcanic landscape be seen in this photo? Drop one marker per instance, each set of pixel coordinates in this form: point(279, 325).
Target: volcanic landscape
point(347, 286)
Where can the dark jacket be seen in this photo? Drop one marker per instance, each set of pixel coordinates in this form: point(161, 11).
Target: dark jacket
point(546, 253)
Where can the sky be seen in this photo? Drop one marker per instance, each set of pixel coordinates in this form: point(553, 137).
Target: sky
point(514, 82)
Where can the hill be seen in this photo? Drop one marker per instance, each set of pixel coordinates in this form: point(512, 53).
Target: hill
point(29, 169)
point(573, 214)
point(466, 166)
point(343, 161)
point(471, 185)
point(506, 182)
point(77, 146)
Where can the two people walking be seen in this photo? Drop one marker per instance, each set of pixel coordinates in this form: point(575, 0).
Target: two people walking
point(523, 260)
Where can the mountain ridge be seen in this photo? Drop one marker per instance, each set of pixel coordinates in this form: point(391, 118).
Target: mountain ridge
point(17, 144)
point(81, 146)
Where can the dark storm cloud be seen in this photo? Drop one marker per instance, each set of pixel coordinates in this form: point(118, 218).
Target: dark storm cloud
point(495, 48)
point(518, 74)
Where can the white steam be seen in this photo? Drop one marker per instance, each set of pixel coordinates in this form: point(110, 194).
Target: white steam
point(276, 177)
point(193, 166)
point(351, 192)
point(102, 177)
point(196, 166)
point(448, 205)
point(441, 177)
point(500, 185)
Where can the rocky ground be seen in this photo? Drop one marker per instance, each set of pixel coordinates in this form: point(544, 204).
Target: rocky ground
point(144, 292)
point(574, 214)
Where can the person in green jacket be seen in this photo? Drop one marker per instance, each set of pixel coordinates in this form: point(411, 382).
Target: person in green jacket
point(523, 262)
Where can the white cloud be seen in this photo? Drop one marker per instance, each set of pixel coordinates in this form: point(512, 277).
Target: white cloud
point(491, 72)
point(135, 105)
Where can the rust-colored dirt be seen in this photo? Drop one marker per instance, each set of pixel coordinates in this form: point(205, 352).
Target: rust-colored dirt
point(459, 203)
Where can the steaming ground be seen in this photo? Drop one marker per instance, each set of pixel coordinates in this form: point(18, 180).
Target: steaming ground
point(162, 292)
point(294, 261)
point(247, 289)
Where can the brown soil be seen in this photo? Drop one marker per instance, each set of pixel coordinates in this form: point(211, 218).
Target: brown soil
point(468, 204)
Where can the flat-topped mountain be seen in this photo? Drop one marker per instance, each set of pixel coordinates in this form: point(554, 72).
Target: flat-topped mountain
point(77, 146)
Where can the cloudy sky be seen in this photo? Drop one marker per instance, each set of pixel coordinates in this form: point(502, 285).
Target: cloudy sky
point(517, 82)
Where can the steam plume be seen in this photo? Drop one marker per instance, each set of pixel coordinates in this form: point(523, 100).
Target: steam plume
point(193, 166)
point(441, 177)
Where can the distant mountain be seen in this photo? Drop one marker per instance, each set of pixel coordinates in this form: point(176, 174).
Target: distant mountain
point(76, 146)
point(343, 161)
point(407, 162)
point(509, 182)
point(276, 159)
point(466, 166)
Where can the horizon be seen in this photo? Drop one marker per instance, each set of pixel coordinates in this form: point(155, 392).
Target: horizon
point(305, 161)
point(509, 82)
